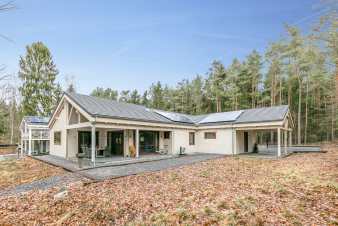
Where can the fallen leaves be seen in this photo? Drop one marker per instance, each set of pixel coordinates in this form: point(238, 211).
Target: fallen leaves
point(19, 171)
point(299, 189)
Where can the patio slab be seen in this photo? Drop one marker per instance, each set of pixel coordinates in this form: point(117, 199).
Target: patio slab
point(103, 173)
point(59, 162)
point(73, 165)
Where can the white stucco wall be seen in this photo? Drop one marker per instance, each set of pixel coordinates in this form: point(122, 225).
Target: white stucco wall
point(72, 143)
point(59, 125)
point(221, 145)
point(181, 139)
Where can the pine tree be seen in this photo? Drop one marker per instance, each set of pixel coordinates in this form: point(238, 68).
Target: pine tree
point(217, 75)
point(124, 96)
point(38, 72)
point(156, 95)
point(254, 66)
point(145, 100)
point(135, 98)
point(105, 93)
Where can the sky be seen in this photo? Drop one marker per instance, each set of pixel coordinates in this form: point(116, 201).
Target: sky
point(132, 44)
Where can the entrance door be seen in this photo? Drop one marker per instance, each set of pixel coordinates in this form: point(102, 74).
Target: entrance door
point(85, 140)
point(115, 142)
point(246, 141)
point(149, 141)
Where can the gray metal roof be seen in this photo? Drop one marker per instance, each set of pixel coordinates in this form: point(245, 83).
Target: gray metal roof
point(275, 113)
point(176, 117)
point(113, 109)
point(229, 116)
point(36, 120)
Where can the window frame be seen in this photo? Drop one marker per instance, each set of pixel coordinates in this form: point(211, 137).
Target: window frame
point(192, 138)
point(213, 137)
point(166, 133)
point(54, 138)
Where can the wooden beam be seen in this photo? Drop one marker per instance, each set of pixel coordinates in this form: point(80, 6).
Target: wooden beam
point(70, 114)
point(278, 143)
point(137, 143)
point(93, 144)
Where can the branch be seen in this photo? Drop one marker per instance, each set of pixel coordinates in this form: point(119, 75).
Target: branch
point(7, 6)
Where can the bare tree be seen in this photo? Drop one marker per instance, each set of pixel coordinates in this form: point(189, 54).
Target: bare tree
point(4, 7)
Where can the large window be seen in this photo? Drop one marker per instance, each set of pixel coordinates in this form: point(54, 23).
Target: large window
point(210, 135)
point(191, 138)
point(57, 138)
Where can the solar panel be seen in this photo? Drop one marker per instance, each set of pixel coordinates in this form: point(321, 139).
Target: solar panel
point(221, 117)
point(176, 117)
point(37, 119)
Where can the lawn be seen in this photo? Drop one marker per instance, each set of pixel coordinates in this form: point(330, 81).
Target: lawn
point(14, 172)
point(299, 189)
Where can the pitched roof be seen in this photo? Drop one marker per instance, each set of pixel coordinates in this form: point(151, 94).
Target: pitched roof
point(99, 107)
point(275, 113)
point(39, 120)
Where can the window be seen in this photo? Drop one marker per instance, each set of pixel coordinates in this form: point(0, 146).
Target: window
point(191, 138)
point(57, 138)
point(210, 135)
point(166, 135)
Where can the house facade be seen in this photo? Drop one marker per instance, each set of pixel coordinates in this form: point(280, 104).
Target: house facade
point(96, 127)
point(34, 135)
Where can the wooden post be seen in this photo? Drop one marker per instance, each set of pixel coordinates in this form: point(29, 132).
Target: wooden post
point(285, 142)
point(21, 145)
point(93, 144)
point(29, 141)
point(137, 138)
point(278, 143)
point(290, 138)
point(172, 142)
point(234, 142)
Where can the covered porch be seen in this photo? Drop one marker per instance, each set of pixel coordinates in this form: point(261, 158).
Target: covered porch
point(264, 142)
point(98, 143)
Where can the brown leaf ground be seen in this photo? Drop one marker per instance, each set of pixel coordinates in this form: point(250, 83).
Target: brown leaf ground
point(15, 172)
point(7, 150)
point(299, 189)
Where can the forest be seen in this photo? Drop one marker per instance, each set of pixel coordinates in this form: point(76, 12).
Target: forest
point(299, 70)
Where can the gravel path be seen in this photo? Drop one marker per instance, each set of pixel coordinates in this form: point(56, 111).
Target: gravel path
point(103, 173)
point(59, 180)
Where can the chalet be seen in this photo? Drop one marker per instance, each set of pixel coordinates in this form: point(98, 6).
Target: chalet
point(102, 128)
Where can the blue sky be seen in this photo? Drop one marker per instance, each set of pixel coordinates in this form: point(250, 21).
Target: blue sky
point(131, 44)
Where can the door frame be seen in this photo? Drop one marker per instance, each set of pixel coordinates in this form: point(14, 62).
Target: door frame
point(121, 133)
point(246, 141)
point(90, 139)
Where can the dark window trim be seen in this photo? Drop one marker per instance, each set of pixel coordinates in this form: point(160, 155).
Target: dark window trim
point(57, 142)
point(166, 135)
point(191, 138)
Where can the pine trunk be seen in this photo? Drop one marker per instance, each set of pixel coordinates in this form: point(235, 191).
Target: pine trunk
point(306, 112)
point(280, 91)
point(299, 141)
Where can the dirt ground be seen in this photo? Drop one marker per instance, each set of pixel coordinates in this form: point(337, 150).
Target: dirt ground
point(296, 190)
point(14, 172)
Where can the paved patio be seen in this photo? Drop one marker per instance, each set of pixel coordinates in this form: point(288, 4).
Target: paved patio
point(73, 165)
point(103, 173)
point(270, 152)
